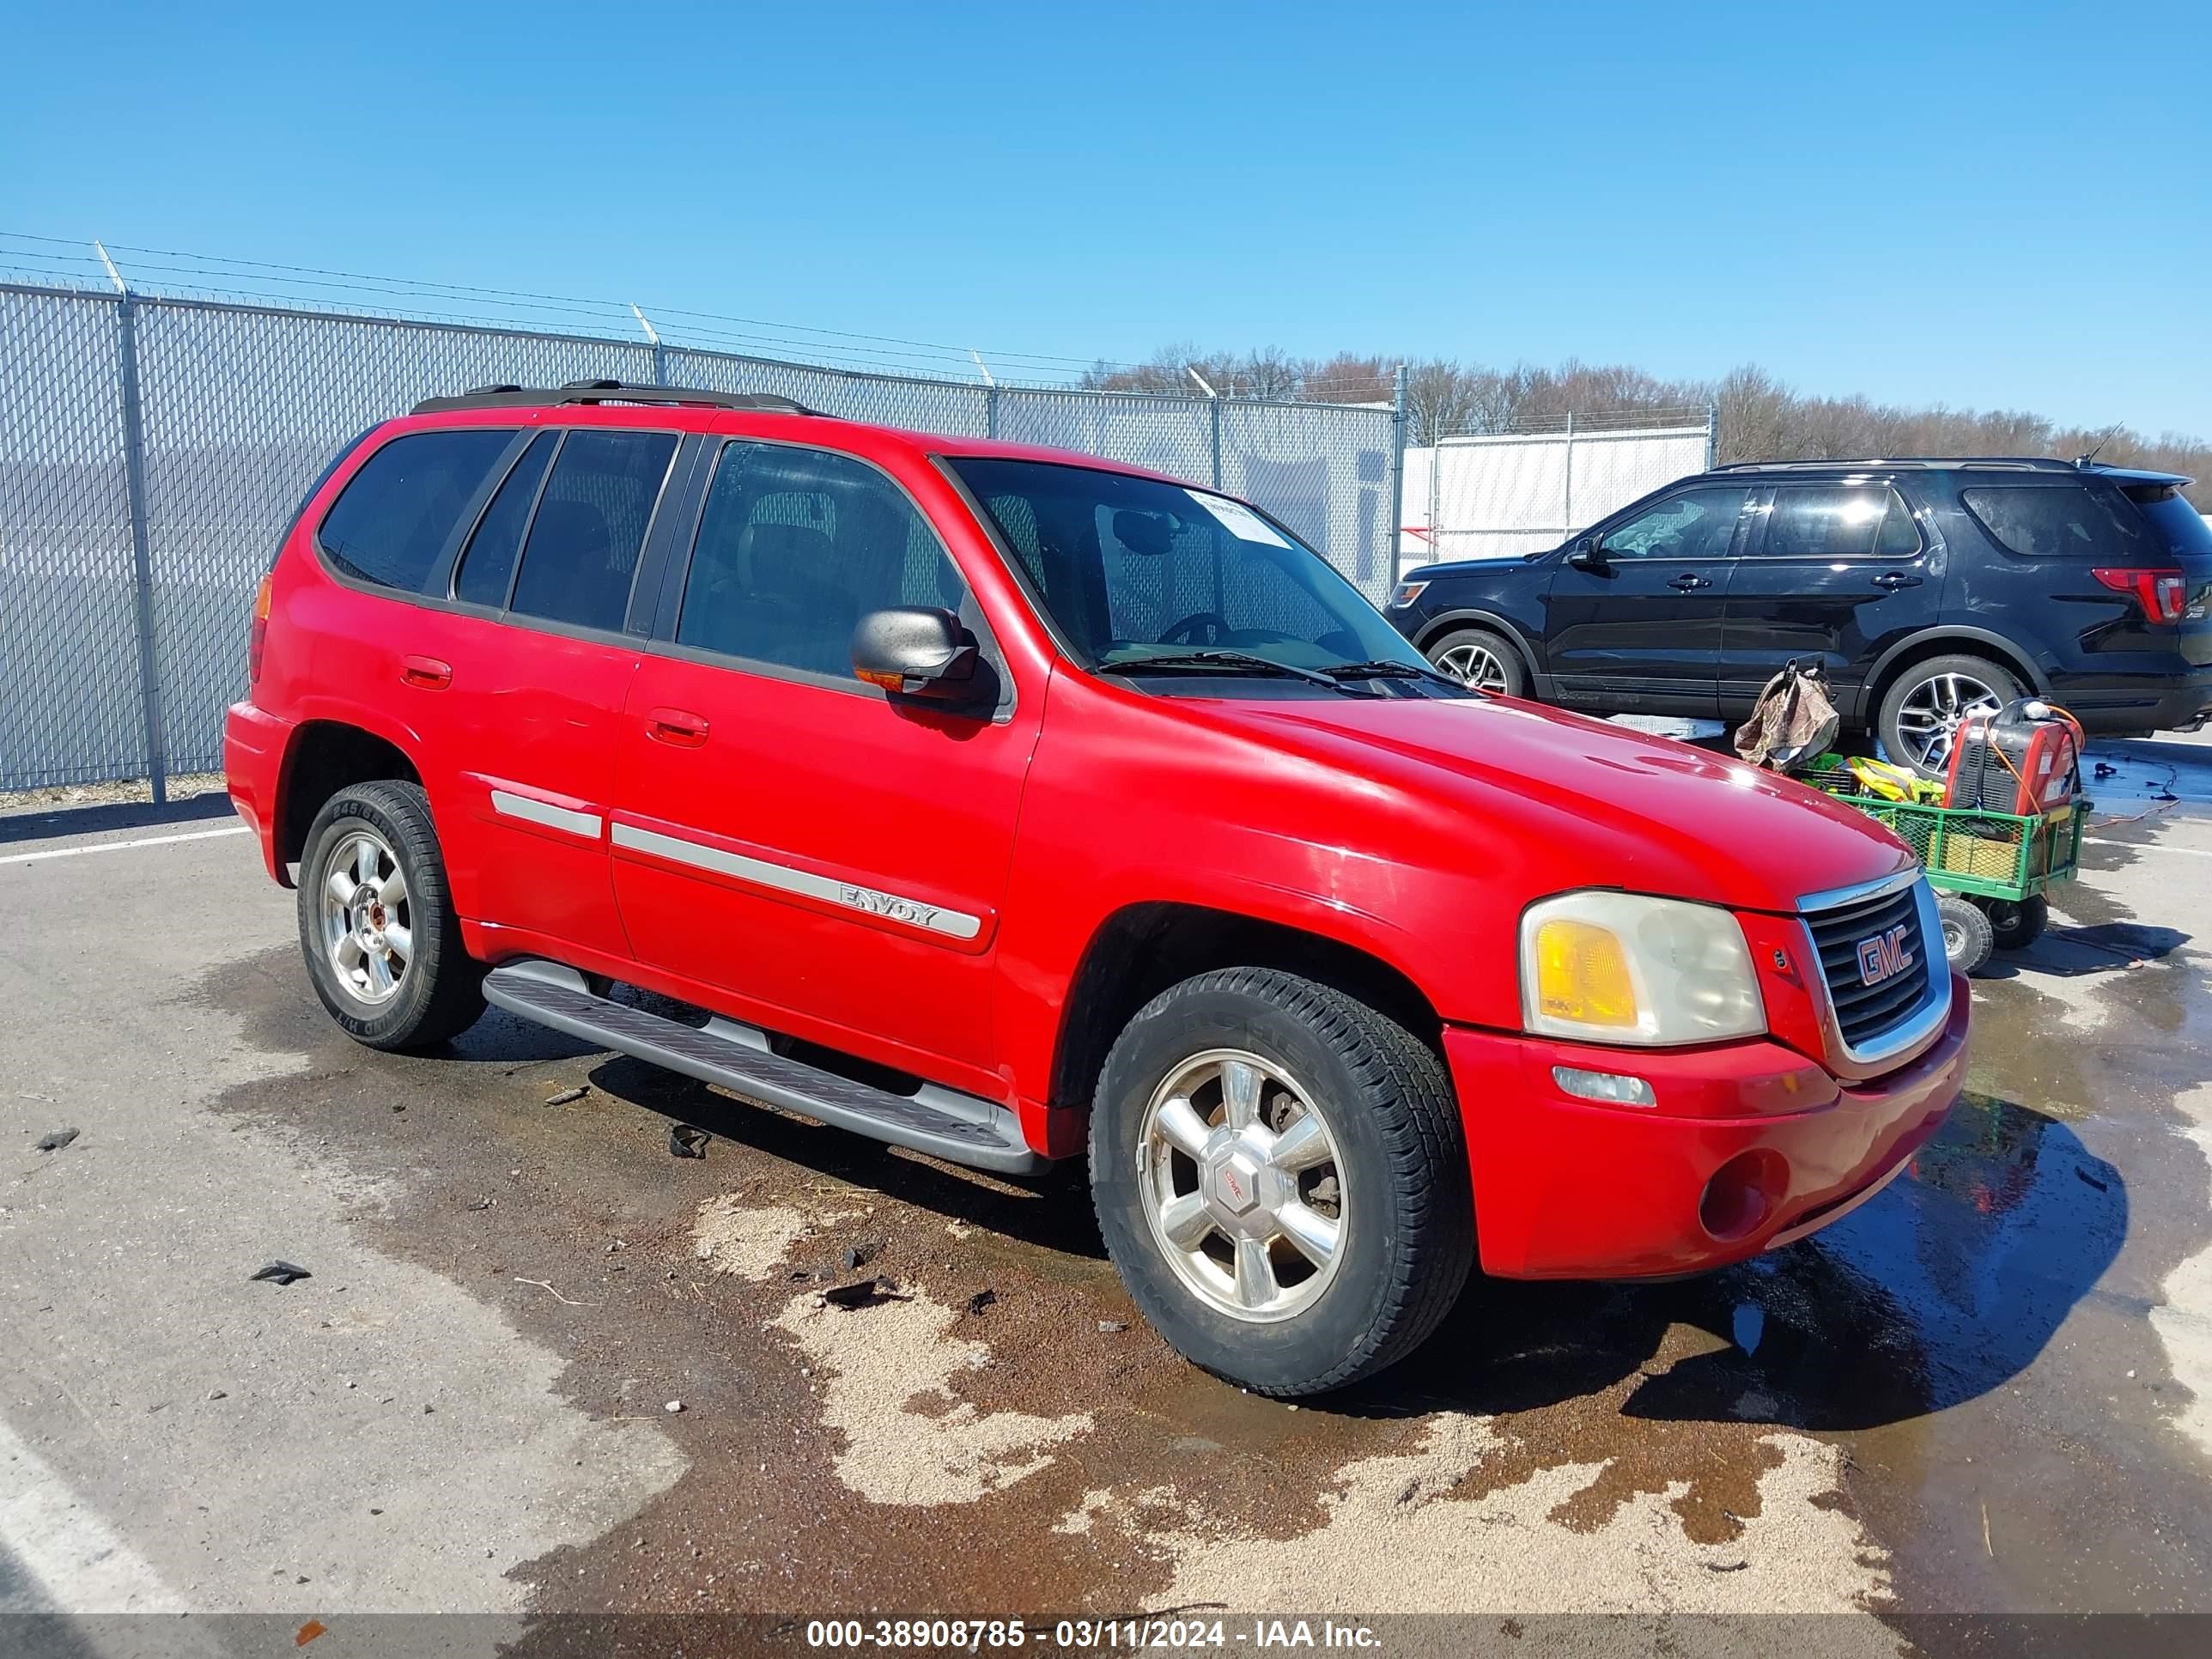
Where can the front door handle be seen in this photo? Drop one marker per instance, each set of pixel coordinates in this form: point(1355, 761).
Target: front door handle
point(677, 726)
point(1893, 580)
point(1688, 583)
point(426, 672)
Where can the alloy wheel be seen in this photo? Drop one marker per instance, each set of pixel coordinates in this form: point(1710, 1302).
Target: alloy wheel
point(1929, 718)
point(1475, 665)
point(1242, 1186)
point(367, 931)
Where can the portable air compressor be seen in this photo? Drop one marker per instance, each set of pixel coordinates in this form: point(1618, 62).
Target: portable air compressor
point(2025, 758)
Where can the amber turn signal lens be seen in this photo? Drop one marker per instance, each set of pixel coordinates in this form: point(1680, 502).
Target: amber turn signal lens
point(1582, 974)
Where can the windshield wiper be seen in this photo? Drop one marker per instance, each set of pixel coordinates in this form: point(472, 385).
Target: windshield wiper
point(1386, 668)
point(1243, 660)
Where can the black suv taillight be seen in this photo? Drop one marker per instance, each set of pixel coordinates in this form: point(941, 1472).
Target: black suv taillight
point(2163, 594)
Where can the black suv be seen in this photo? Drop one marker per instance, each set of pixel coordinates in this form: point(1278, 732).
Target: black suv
point(1927, 588)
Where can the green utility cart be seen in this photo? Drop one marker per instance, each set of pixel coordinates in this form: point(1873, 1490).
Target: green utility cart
point(1990, 869)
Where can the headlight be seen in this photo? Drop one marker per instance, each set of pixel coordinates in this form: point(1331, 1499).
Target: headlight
point(1626, 968)
point(1406, 594)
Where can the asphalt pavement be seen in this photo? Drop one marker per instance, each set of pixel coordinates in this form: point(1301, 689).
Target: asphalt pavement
point(540, 1366)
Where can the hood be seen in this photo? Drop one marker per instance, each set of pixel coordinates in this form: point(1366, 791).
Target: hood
point(1614, 807)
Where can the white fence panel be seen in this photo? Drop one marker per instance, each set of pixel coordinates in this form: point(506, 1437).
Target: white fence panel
point(1499, 495)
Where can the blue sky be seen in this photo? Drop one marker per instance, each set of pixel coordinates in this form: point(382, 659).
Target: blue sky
point(1987, 205)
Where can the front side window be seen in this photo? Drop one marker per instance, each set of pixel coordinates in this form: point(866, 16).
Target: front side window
point(795, 546)
point(581, 556)
point(391, 521)
point(1698, 524)
point(2048, 521)
point(1840, 521)
point(1131, 568)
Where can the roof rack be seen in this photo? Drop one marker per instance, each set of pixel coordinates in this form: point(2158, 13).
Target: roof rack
point(2006, 463)
point(610, 391)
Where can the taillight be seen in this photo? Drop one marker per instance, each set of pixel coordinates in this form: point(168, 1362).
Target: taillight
point(259, 634)
point(2163, 594)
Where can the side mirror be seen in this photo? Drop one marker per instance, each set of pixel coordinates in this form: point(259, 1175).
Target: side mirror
point(916, 651)
point(1587, 555)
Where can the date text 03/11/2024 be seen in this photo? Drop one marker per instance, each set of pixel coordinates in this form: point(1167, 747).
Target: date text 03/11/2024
point(1087, 1635)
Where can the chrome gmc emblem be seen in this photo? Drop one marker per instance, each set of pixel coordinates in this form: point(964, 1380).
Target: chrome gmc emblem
point(1885, 955)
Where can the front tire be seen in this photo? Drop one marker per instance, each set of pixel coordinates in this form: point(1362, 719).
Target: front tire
point(1280, 1179)
point(377, 924)
point(1969, 937)
point(1483, 659)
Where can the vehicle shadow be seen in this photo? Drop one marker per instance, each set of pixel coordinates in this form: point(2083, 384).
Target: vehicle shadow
point(1944, 1286)
point(2064, 952)
point(47, 823)
point(1051, 1211)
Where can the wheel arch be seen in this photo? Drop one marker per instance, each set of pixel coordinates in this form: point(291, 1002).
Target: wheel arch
point(1943, 643)
point(1139, 950)
point(322, 757)
point(1452, 620)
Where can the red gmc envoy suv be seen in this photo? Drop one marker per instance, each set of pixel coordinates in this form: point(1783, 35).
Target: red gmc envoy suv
point(1012, 805)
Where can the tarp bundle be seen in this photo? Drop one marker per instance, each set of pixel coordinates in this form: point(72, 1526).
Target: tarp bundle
point(1792, 721)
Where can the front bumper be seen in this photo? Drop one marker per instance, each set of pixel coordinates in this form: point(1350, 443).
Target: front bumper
point(1750, 1145)
point(253, 744)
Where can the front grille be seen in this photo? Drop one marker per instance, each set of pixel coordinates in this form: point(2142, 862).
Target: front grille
point(1864, 1012)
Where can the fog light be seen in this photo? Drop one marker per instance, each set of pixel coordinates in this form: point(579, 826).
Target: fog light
point(1742, 1194)
point(1611, 1087)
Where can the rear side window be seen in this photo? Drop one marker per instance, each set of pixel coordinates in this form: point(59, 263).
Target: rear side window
point(1840, 521)
point(2172, 516)
point(487, 564)
point(794, 546)
point(2057, 521)
point(581, 556)
point(390, 522)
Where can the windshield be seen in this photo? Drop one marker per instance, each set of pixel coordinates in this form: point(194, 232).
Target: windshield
point(1135, 568)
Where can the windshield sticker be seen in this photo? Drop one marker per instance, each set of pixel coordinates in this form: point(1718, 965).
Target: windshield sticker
point(1238, 520)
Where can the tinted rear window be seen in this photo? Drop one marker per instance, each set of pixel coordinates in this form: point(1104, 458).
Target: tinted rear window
point(392, 521)
point(2179, 524)
point(2057, 521)
point(487, 566)
point(582, 552)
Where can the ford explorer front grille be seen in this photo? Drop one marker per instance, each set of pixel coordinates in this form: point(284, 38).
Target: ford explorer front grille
point(1876, 962)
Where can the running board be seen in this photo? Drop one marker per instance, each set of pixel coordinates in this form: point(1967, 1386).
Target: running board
point(943, 1122)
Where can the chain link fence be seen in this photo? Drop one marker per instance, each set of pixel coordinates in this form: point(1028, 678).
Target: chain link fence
point(152, 450)
point(1500, 495)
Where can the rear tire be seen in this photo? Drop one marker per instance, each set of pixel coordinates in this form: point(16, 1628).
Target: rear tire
point(1968, 935)
point(1480, 658)
point(1290, 1277)
point(376, 923)
point(1923, 707)
point(2016, 927)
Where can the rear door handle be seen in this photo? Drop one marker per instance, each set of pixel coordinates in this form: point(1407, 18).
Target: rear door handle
point(426, 672)
point(1688, 583)
point(677, 726)
point(1893, 580)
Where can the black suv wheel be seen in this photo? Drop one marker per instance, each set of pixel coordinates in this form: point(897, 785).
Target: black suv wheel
point(1280, 1178)
point(1921, 710)
point(1484, 660)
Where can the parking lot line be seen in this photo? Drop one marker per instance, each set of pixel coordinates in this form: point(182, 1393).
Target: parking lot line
point(59, 1540)
point(124, 846)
